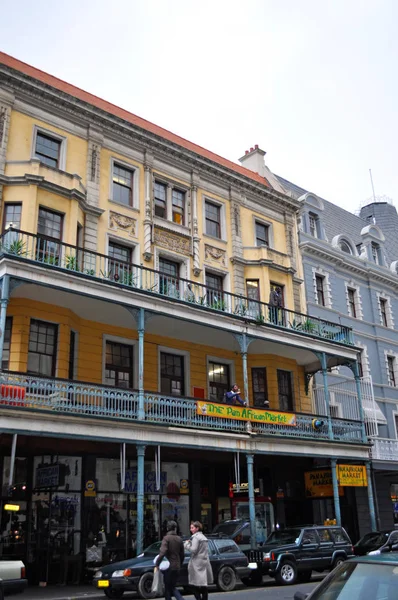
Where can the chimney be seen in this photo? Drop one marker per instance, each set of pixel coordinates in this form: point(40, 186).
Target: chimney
point(253, 159)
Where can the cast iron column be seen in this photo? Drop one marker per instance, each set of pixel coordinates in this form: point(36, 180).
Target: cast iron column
point(252, 510)
point(140, 498)
point(5, 294)
point(336, 498)
point(324, 365)
point(371, 498)
point(141, 331)
point(355, 370)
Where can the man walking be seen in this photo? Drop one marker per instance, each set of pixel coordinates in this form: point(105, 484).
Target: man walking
point(173, 549)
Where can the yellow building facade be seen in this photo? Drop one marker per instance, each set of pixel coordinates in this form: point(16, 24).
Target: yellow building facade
point(140, 274)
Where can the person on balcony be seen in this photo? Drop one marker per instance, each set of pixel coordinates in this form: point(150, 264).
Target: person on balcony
point(233, 396)
point(275, 304)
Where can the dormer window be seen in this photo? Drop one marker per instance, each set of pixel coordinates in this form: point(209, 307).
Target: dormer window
point(313, 221)
point(375, 248)
point(344, 247)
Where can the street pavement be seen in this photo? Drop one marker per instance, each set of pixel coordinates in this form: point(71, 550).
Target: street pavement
point(268, 591)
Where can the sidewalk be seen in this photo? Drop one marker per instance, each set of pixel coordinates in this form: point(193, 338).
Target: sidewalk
point(67, 592)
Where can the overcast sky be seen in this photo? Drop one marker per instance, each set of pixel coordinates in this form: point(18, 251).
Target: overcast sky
point(313, 82)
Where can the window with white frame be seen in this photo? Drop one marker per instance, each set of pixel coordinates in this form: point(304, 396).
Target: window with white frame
point(49, 148)
point(392, 370)
point(351, 294)
point(376, 253)
point(321, 287)
point(363, 361)
point(345, 247)
point(170, 202)
point(313, 221)
point(122, 184)
point(385, 312)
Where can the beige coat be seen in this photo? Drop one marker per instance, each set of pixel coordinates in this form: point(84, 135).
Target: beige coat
point(199, 568)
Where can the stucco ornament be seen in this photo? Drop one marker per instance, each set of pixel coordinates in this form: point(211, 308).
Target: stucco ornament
point(217, 254)
point(118, 221)
point(172, 241)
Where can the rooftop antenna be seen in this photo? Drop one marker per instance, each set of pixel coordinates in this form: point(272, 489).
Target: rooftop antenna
point(373, 188)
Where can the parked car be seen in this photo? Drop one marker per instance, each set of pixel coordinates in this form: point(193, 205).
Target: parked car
point(136, 574)
point(360, 578)
point(12, 572)
point(292, 554)
point(375, 541)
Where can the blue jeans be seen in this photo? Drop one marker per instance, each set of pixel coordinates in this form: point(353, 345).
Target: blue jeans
point(170, 582)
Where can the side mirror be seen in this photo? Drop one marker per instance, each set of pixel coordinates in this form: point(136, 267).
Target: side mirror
point(300, 596)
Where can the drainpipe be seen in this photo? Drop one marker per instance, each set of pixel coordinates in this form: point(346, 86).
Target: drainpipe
point(141, 331)
point(140, 498)
point(5, 295)
point(371, 498)
point(336, 498)
point(252, 511)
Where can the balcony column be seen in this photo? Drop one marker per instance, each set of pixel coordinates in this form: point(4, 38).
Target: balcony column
point(324, 364)
point(141, 331)
point(336, 498)
point(244, 341)
point(5, 295)
point(252, 510)
point(371, 500)
point(355, 369)
point(140, 497)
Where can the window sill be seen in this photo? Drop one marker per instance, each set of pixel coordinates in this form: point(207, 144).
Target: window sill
point(171, 226)
point(133, 208)
point(215, 239)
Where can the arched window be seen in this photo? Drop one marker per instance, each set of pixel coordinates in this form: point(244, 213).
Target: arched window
point(345, 247)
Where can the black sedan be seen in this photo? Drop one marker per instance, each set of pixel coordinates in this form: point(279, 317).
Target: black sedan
point(136, 574)
point(376, 540)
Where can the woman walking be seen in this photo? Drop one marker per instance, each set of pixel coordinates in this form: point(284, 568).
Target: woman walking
point(200, 574)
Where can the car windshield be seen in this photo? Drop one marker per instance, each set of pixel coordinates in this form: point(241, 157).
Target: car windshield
point(227, 528)
point(360, 581)
point(153, 549)
point(285, 536)
point(374, 539)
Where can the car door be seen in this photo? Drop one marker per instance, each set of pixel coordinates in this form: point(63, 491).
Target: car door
point(310, 553)
point(326, 548)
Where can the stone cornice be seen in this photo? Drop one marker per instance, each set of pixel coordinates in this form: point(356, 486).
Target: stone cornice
point(348, 263)
point(115, 127)
point(41, 182)
point(261, 262)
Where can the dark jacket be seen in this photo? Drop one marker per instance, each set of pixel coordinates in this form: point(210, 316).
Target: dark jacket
point(173, 549)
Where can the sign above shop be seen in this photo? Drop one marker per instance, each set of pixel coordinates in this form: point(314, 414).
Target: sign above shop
point(352, 475)
point(319, 484)
point(243, 413)
point(131, 482)
point(47, 476)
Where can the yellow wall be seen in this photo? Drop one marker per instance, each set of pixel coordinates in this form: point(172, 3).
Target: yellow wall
point(90, 352)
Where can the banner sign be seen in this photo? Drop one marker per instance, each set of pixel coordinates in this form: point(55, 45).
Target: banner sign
point(319, 484)
point(352, 475)
point(243, 413)
point(47, 476)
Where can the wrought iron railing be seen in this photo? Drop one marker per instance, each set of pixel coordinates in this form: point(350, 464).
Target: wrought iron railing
point(28, 392)
point(385, 449)
point(85, 263)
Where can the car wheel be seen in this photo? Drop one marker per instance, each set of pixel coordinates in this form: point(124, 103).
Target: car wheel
point(226, 579)
point(287, 573)
point(144, 587)
point(304, 576)
point(114, 594)
point(337, 561)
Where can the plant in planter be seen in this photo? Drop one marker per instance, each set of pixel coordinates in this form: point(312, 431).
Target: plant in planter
point(260, 320)
point(71, 263)
point(219, 305)
point(17, 248)
point(51, 260)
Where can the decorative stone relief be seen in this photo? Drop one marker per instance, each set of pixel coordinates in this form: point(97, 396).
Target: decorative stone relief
point(172, 241)
point(216, 254)
point(118, 221)
point(2, 124)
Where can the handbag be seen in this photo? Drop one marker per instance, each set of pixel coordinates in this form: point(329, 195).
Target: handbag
point(157, 583)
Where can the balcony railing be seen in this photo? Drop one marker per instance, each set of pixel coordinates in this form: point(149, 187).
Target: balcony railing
point(385, 449)
point(30, 393)
point(85, 263)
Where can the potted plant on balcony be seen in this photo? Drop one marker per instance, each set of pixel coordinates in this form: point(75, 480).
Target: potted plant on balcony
point(71, 263)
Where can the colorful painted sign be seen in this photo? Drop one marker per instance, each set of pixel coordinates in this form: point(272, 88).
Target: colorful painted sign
point(90, 489)
point(352, 475)
point(243, 413)
point(319, 484)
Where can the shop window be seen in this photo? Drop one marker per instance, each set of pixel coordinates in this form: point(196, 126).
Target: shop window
point(7, 344)
point(285, 390)
point(219, 381)
point(42, 351)
point(48, 149)
point(259, 385)
point(122, 184)
point(119, 365)
point(172, 374)
point(49, 232)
